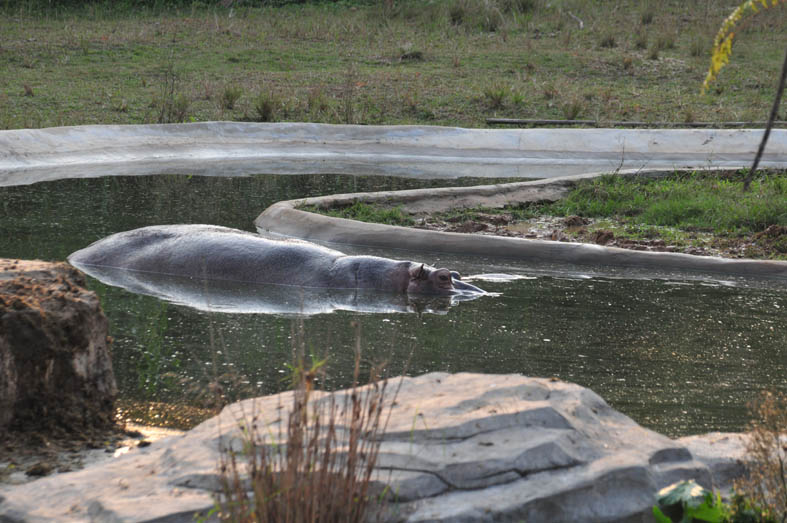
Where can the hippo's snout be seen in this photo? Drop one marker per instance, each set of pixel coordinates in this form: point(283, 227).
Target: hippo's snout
point(466, 287)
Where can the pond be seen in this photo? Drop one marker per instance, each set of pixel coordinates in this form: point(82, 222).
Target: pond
point(679, 355)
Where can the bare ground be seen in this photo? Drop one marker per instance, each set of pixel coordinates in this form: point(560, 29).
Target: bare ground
point(768, 244)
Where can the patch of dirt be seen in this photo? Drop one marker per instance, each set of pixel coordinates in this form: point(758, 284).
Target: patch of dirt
point(27, 456)
point(768, 244)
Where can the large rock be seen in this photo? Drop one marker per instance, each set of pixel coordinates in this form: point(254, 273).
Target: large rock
point(55, 368)
point(461, 447)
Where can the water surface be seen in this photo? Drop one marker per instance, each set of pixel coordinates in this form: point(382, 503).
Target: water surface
point(678, 354)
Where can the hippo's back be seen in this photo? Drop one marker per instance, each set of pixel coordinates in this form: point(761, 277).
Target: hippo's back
point(211, 252)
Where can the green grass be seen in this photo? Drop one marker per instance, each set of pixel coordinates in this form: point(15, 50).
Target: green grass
point(694, 201)
point(336, 62)
point(367, 213)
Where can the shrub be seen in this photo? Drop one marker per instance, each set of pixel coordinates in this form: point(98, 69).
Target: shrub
point(495, 96)
point(230, 96)
point(608, 41)
point(320, 469)
point(479, 14)
point(265, 106)
point(766, 483)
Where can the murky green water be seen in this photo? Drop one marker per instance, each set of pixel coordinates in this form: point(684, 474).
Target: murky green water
point(679, 356)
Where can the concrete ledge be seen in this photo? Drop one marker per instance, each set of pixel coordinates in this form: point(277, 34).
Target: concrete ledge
point(233, 148)
point(285, 219)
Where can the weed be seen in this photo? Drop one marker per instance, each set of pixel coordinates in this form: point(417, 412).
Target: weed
point(688, 501)
point(572, 108)
point(265, 104)
point(172, 106)
point(766, 483)
point(319, 465)
point(476, 14)
point(317, 102)
point(348, 94)
point(230, 96)
point(608, 41)
point(207, 90)
point(549, 91)
point(641, 40)
point(665, 40)
point(698, 46)
point(653, 52)
point(495, 96)
point(761, 496)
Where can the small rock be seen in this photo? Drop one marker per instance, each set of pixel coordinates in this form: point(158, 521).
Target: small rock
point(772, 232)
point(499, 219)
point(42, 468)
point(603, 237)
point(470, 226)
point(575, 221)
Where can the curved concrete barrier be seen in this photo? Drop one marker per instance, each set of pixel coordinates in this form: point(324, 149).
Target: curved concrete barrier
point(285, 219)
point(233, 148)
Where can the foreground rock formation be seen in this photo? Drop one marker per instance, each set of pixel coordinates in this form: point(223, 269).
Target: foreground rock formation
point(462, 447)
point(55, 368)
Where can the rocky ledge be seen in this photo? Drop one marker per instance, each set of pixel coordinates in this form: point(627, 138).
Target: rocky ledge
point(55, 367)
point(457, 447)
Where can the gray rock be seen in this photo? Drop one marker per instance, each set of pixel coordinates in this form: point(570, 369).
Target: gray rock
point(55, 367)
point(462, 447)
point(723, 453)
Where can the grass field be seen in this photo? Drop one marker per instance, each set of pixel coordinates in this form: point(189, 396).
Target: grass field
point(442, 62)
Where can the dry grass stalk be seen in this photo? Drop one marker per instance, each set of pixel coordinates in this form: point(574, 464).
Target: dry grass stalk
point(320, 470)
point(766, 484)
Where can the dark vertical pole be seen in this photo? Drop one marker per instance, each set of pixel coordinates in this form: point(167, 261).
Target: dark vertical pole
point(771, 119)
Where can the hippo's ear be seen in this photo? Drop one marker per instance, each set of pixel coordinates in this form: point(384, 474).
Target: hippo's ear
point(418, 273)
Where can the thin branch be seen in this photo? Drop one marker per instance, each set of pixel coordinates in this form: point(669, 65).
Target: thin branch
point(774, 111)
point(577, 19)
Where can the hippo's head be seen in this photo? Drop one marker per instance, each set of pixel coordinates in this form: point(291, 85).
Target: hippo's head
point(428, 280)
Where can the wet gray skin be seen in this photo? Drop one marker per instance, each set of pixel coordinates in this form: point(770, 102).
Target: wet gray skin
point(218, 253)
point(265, 298)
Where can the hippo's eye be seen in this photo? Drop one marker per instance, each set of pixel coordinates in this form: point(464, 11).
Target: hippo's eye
point(444, 277)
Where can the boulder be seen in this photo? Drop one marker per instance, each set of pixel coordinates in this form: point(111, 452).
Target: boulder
point(55, 368)
point(457, 447)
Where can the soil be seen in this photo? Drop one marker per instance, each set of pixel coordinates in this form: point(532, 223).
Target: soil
point(28, 455)
point(768, 244)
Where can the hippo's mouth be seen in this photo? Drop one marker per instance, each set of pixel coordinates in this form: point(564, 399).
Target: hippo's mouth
point(461, 287)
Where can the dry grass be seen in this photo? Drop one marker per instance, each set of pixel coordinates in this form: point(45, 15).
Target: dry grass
point(103, 65)
point(766, 484)
point(318, 467)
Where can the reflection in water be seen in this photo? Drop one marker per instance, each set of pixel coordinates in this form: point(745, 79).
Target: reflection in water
point(284, 300)
point(678, 356)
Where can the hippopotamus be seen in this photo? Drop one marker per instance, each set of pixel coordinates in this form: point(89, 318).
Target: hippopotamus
point(211, 252)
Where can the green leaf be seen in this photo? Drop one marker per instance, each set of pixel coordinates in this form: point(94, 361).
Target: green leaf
point(659, 515)
point(688, 493)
